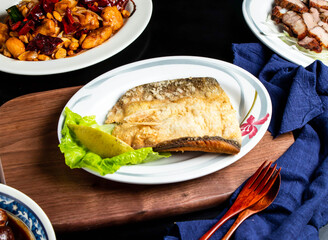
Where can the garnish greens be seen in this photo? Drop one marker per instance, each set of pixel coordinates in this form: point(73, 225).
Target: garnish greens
point(15, 14)
point(78, 156)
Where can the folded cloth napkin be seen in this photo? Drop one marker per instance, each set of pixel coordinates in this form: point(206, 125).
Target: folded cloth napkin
point(300, 104)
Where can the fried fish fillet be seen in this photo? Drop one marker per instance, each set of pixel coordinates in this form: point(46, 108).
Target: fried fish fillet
point(189, 114)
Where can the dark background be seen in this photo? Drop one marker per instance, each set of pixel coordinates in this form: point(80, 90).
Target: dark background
point(177, 27)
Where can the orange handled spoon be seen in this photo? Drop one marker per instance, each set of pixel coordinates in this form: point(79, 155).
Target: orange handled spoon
point(257, 207)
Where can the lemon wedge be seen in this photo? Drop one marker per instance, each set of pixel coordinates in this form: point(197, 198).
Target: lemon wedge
point(99, 142)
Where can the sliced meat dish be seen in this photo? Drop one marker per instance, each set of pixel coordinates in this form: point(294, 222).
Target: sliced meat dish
point(296, 23)
point(294, 5)
point(288, 30)
point(324, 16)
point(315, 14)
point(320, 34)
point(277, 14)
point(311, 44)
point(318, 4)
point(324, 25)
point(309, 20)
point(306, 20)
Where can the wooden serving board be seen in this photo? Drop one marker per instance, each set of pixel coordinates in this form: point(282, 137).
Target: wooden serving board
point(76, 199)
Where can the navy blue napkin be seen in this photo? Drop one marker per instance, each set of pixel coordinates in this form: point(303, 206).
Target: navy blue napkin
point(300, 104)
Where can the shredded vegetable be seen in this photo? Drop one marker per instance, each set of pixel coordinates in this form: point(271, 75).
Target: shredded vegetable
point(291, 41)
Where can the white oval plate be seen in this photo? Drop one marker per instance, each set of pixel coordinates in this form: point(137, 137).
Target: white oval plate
point(247, 95)
point(133, 27)
point(24, 208)
point(256, 13)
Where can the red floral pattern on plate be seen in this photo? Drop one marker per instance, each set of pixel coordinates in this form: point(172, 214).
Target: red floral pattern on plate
point(249, 127)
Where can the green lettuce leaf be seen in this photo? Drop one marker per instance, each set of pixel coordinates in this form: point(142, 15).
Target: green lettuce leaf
point(78, 156)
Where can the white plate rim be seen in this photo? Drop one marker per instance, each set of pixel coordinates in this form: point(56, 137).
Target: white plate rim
point(35, 209)
point(120, 177)
point(132, 29)
point(271, 41)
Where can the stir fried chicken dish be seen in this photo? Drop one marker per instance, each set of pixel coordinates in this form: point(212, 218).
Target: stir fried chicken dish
point(37, 30)
point(305, 20)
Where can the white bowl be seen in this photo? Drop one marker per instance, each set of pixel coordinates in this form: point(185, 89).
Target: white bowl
point(28, 211)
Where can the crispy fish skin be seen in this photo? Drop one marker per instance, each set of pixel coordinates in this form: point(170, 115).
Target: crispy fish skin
point(189, 114)
point(202, 144)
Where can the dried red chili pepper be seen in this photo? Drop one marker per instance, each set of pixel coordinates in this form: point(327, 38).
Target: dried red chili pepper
point(70, 26)
point(36, 13)
point(98, 5)
point(48, 5)
point(26, 27)
point(122, 4)
point(43, 44)
point(16, 25)
point(105, 3)
point(31, 20)
point(93, 7)
point(79, 33)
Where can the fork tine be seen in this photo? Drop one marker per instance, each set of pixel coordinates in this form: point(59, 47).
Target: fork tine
point(266, 182)
point(262, 182)
point(271, 181)
point(250, 182)
point(261, 176)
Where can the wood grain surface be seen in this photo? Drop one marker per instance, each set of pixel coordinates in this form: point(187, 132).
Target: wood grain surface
point(76, 199)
